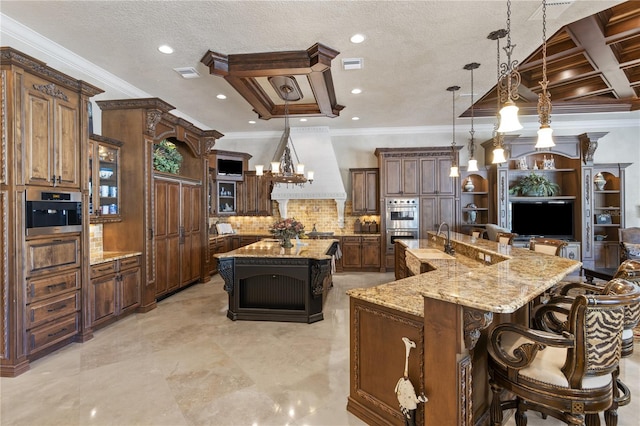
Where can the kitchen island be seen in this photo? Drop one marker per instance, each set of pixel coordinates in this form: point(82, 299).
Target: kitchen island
point(446, 308)
point(270, 283)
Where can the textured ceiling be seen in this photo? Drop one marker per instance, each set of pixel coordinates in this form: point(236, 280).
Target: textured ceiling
point(413, 50)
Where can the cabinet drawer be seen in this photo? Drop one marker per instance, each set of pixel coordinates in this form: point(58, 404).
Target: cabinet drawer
point(371, 240)
point(103, 269)
point(129, 262)
point(52, 254)
point(351, 239)
point(51, 286)
point(42, 337)
point(50, 309)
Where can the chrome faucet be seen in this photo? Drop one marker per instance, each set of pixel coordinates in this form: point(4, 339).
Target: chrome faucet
point(448, 248)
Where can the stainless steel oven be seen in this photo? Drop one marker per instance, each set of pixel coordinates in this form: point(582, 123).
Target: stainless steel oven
point(400, 234)
point(401, 213)
point(49, 212)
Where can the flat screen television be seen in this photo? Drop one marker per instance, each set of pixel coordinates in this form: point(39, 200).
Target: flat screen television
point(551, 219)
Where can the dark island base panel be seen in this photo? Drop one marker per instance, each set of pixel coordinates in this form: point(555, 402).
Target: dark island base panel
point(291, 291)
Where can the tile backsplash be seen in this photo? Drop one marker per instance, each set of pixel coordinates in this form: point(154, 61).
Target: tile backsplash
point(95, 239)
point(322, 213)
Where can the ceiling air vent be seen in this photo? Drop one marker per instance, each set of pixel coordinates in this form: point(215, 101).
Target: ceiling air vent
point(187, 72)
point(352, 63)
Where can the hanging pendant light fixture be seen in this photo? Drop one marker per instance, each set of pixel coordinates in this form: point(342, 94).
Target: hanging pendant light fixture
point(454, 173)
point(472, 165)
point(545, 139)
point(498, 138)
point(509, 81)
point(283, 170)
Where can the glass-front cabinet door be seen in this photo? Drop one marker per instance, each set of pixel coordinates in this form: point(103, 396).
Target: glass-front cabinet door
point(104, 179)
point(226, 194)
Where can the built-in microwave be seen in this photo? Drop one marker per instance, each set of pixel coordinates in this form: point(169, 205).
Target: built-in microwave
point(48, 212)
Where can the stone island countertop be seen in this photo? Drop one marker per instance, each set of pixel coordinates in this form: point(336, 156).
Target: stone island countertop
point(310, 249)
point(506, 279)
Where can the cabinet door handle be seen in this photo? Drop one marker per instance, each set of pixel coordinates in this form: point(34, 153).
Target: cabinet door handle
point(151, 233)
point(57, 308)
point(53, 179)
point(64, 330)
point(59, 179)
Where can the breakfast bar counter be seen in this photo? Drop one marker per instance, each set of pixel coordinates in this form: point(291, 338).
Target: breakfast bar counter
point(265, 281)
point(446, 309)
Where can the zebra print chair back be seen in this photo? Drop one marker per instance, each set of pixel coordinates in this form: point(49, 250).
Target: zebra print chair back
point(568, 376)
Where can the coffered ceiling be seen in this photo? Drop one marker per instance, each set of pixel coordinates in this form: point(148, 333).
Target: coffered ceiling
point(413, 51)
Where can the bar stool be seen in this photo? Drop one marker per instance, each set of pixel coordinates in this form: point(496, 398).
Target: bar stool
point(547, 245)
point(506, 237)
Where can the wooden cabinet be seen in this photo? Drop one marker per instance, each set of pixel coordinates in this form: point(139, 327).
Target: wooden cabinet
point(53, 300)
point(52, 134)
point(177, 237)
point(44, 132)
point(254, 196)
point(114, 289)
point(104, 179)
point(361, 253)
point(435, 210)
point(216, 245)
point(434, 175)
point(365, 193)
point(226, 172)
point(401, 176)
point(141, 124)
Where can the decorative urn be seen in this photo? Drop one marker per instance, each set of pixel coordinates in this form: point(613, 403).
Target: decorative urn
point(599, 181)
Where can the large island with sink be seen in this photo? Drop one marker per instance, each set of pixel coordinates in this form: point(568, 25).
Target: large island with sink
point(268, 282)
point(446, 305)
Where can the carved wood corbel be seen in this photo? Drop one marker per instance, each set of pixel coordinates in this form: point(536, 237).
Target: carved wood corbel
point(225, 269)
point(474, 322)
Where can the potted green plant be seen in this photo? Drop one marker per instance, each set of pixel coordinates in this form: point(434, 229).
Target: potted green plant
point(166, 157)
point(535, 185)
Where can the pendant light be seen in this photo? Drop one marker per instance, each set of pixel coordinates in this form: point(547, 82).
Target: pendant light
point(454, 173)
point(509, 82)
point(472, 165)
point(544, 98)
point(498, 138)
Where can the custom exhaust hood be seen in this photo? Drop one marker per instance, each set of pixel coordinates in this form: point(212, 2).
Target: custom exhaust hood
point(314, 148)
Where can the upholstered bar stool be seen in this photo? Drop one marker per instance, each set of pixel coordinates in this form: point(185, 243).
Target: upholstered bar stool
point(506, 237)
point(547, 245)
point(568, 376)
point(629, 243)
point(478, 232)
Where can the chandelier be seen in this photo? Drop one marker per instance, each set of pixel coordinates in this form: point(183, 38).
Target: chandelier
point(472, 165)
point(454, 165)
point(544, 98)
point(508, 84)
point(283, 169)
point(498, 138)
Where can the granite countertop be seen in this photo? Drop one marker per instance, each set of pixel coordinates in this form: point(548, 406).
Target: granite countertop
point(108, 256)
point(505, 282)
point(311, 249)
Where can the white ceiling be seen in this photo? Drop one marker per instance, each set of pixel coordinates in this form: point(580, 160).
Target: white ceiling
point(413, 50)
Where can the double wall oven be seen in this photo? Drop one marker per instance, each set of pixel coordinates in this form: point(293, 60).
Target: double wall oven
point(401, 220)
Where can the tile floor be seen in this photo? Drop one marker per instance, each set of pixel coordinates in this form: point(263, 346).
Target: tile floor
point(185, 363)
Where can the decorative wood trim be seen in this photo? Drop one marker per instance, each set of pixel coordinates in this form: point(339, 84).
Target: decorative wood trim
point(319, 271)
point(51, 90)
point(465, 390)
point(314, 64)
point(225, 269)
point(474, 322)
point(5, 125)
point(4, 260)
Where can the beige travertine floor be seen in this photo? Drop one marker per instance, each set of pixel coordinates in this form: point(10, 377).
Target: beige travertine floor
point(185, 363)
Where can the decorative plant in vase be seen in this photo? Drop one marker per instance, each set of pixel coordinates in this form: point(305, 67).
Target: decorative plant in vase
point(166, 157)
point(287, 229)
point(535, 185)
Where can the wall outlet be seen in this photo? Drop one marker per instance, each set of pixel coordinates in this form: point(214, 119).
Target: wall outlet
point(487, 258)
point(480, 255)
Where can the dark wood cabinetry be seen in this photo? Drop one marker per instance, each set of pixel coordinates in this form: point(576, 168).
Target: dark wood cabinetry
point(365, 191)
point(104, 179)
point(44, 129)
point(360, 253)
point(177, 238)
point(226, 175)
point(401, 175)
point(114, 290)
point(254, 195)
point(475, 204)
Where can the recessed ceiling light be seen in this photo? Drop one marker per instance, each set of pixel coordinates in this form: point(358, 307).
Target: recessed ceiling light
point(356, 91)
point(303, 119)
point(355, 118)
point(166, 49)
point(252, 122)
point(221, 96)
point(357, 38)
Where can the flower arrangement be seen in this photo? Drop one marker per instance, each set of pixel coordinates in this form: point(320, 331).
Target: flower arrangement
point(166, 157)
point(287, 229)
